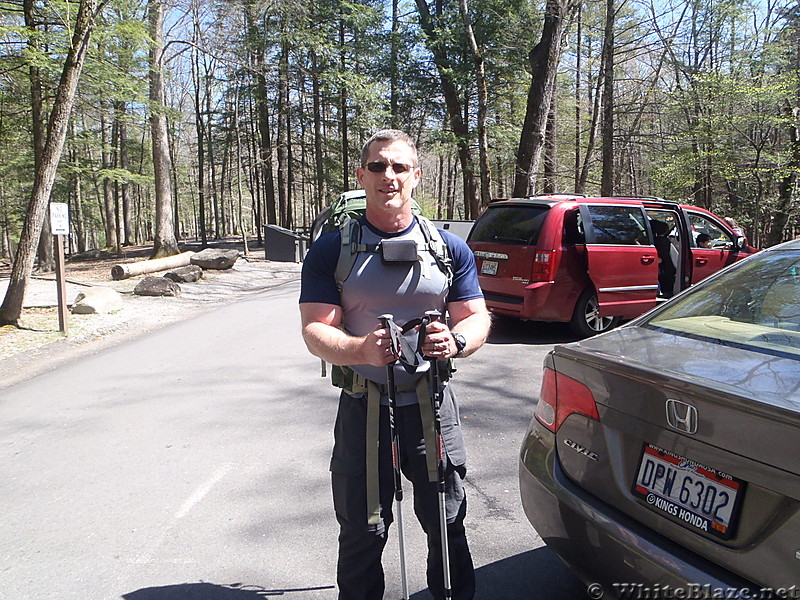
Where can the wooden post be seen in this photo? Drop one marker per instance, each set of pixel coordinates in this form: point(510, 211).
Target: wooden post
point(59, 227)
point(61, 284)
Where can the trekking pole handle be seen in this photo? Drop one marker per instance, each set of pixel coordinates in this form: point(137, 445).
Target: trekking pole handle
point(433, 315)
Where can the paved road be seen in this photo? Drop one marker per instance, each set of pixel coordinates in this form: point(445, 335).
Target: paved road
point(192, 463)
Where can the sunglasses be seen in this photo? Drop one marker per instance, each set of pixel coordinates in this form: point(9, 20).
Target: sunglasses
point(380, 167)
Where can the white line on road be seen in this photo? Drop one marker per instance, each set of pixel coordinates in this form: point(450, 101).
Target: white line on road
point(202, 491)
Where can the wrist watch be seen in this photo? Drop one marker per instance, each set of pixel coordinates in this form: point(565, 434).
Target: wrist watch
point(461, 343)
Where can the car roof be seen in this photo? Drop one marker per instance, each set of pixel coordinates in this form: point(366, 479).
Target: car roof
point(554, 199)
point(791, 245)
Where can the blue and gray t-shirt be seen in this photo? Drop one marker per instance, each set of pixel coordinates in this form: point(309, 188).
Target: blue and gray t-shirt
point(374, 287)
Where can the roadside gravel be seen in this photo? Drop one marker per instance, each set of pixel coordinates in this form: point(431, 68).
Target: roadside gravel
point(39, 346)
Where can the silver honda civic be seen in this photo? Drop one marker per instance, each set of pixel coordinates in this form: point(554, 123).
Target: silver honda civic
point(663, 458)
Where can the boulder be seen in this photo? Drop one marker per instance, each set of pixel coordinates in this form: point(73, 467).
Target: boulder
point(157, 286)
point(97, 300)
point(188, 274)
point(215, 258)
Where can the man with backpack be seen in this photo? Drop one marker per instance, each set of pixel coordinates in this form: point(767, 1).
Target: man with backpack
point(392, 262)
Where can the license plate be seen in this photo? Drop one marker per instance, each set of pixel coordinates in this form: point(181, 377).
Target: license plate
point(489, 267)
point(698, 496)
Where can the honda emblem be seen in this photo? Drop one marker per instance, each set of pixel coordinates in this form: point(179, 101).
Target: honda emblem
point(682, 416)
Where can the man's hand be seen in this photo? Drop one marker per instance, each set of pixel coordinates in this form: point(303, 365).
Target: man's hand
point(377, 348)
point(439, 342)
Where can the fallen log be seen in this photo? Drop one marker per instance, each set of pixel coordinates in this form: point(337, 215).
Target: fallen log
point(125, 270)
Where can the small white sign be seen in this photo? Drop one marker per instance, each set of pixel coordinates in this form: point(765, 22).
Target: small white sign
point(59, 218)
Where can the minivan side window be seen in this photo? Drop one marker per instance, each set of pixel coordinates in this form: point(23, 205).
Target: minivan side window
point(717, 238)
point(620, 225)
point(510, 225)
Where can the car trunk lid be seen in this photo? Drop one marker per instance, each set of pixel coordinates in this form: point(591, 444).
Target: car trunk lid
point(721, 485)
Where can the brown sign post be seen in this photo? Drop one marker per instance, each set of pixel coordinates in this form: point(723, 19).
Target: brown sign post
point(59, 227)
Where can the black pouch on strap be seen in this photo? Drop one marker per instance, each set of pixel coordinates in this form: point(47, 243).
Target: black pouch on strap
point(399, 251)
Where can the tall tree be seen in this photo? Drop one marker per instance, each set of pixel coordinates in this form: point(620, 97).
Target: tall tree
point(38, 122)
point(57, 127)
point(607, 181)
point(436, 35)
point(544, 59)
point(483, 100)
point(164, 242)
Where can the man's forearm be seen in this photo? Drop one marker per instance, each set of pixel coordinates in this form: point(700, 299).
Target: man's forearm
point(475, 329)
point(333, 345)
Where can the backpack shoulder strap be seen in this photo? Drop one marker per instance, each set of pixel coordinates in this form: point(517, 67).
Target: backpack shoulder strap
point(437, 247)
point(350, 231)
point(351, 246)
point(349, 249)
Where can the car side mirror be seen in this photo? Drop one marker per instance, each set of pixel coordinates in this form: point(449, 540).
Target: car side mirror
point(740, 243)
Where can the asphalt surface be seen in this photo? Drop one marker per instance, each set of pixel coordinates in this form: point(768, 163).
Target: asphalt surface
point(191, 462)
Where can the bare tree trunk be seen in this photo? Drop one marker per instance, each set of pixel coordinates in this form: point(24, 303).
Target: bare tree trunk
point(593, 132)
point(319, 168)
point(454, 108)
point(578, 98)
point(343, 122)
point(201, 132)
point(394, 65)
point(164, 242)
point(550, 184)
point(112, 237)
point(11, 308)
point(120, 115)
point(215, 201)
point(483, 101)
point(283, 134)
point(45, 249)
point(76, 210)
point(254, 172)
point(607, 179)
point(544, 59)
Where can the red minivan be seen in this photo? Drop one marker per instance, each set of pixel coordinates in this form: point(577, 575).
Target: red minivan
point(591, 262)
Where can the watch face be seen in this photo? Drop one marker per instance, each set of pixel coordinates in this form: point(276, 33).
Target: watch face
point(460, 340)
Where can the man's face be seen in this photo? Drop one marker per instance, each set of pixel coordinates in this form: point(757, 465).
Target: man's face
point(385, 188)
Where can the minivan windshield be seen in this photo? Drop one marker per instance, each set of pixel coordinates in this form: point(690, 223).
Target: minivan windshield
point(755, 305)
point(510, 224)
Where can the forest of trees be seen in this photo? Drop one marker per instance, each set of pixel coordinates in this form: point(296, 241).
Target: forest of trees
point(201, 119)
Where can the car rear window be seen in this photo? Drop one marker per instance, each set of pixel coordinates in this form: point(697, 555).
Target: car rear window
point(510, 225)
point(754, 306)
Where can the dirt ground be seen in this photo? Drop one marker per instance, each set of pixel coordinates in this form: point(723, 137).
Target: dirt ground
point(38, 345)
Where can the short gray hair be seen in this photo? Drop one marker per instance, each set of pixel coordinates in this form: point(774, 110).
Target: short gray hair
point(388, 135)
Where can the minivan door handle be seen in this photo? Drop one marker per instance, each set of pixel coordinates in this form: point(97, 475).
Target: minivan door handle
point(648, 259)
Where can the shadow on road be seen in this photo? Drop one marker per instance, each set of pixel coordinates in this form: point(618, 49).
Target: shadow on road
point(506, 330)
point(534, 574)
point(211, 591)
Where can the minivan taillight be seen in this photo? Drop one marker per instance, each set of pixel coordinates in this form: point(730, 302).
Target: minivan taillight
point(562, 396)
point(542, 266)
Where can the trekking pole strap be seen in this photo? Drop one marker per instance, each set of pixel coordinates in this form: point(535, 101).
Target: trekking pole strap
point(428, 429)
point(373, 479)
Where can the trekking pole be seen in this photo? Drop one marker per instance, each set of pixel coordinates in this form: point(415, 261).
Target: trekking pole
point(436, 400)
point(386, 322)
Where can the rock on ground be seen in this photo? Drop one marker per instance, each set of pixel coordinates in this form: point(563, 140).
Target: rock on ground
point(97, 300)
point(215, 258)
point(157, 286)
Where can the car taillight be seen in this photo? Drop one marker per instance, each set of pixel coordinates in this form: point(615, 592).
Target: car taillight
point(562, 396)
point(542, 266)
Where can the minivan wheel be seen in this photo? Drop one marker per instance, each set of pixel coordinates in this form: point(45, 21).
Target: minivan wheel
point(586, 320)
